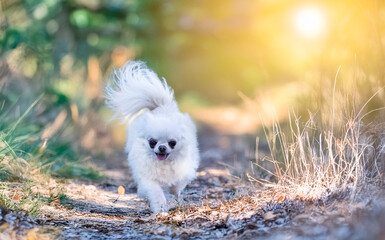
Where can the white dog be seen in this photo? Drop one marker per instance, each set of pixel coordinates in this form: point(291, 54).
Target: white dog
point(161, 141)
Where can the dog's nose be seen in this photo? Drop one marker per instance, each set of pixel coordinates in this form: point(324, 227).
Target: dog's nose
point(162, 148)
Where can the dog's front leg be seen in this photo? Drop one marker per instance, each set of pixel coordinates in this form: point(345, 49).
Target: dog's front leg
point(177, 189)
point(154, 194)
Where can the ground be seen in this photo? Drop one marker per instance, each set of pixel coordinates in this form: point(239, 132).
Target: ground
point(219, 204)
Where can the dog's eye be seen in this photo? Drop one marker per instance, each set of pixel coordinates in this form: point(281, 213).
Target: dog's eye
point(152, 142)
point(172, 143)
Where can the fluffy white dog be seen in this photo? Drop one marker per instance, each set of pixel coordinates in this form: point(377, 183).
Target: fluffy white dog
point(161, 141)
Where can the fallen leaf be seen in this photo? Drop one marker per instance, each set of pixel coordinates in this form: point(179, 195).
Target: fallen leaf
point(269, 216)
point(280, 198)
point(121, 190)
point(4, 226)
point(303, 216)
point(55, 202)
point(31, 234)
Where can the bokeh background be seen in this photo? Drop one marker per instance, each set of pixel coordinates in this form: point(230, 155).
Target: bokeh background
point(234, 64)
point(284, 92)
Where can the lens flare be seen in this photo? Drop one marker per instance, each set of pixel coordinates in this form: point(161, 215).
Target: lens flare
point(310, 21)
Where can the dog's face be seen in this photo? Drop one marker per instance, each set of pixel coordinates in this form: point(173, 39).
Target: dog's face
point(162, 147)
point(164, 138)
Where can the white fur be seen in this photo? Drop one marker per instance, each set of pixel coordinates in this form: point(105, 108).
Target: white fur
point(135, 88)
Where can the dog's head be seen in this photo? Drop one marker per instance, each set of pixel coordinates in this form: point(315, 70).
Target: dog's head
point(162, 147)
point(164, 137)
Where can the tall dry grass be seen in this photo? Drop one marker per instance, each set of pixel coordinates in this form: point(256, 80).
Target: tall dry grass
point(339, 154)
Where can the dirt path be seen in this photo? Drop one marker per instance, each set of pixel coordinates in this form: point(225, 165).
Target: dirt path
point(90, 212)
point(218, 204)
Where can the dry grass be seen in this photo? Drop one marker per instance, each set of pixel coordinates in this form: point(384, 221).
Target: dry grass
point(312, 162)
point(30, 154)
point(26, 185)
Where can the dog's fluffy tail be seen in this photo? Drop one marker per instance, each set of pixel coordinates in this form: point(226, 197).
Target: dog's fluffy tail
point(135, 87)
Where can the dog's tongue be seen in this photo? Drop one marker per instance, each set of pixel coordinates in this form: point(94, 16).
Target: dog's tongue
point(161, 156)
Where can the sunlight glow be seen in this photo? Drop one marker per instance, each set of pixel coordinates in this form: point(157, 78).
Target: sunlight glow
point(310, 21)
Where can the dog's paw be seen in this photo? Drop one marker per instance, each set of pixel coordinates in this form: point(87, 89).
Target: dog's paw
point(162, 214)
point(159, 206)
point(159, 210)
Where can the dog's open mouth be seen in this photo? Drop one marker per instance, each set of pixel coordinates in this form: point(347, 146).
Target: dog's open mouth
point(162, 156)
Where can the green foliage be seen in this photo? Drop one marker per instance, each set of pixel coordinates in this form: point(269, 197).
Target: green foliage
point(27, 160)
point(212, 49)
point(23, 199)
point(22, 143)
